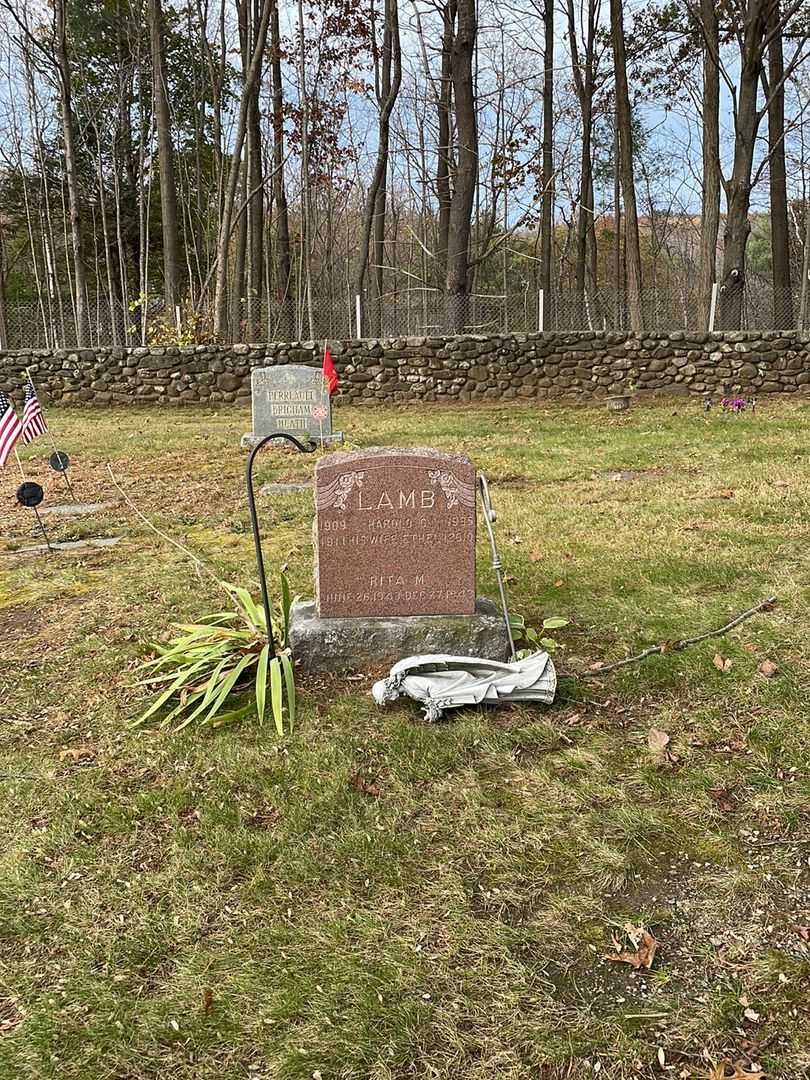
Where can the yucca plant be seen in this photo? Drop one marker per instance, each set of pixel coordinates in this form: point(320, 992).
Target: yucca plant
point(218, 670)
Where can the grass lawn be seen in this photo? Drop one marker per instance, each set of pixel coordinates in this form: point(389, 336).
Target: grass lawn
point(228, 905)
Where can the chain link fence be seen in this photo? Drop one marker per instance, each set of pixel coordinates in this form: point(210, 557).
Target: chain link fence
point(413, 312)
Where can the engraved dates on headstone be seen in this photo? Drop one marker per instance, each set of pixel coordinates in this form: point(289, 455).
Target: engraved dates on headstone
point(395, 534)
point(292, 398)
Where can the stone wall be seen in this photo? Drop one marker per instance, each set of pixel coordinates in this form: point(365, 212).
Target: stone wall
point(468, 368)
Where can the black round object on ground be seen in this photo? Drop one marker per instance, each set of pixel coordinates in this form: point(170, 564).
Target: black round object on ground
point(30, 494)
point(59, 461)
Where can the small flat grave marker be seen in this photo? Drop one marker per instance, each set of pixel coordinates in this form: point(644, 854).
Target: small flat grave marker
point(76, 509)
point(395, 534)
point(67, 545)
point(291, 398)
point(291, 487)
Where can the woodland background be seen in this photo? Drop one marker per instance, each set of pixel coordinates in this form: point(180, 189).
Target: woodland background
point(231, 170)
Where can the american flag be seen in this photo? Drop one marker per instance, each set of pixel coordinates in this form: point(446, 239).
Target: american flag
point(33, 422)
point(10, 428)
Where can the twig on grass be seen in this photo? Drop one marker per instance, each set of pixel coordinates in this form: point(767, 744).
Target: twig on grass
point(682, 643)
point(198, 562)
point(781, 840)
point(200, 565)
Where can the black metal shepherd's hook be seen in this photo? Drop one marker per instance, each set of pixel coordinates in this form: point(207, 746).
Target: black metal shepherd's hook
point(254, 520)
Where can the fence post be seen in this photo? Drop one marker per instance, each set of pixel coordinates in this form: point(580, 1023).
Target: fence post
point(541, 310)
point(713, 306)
point(358, 316)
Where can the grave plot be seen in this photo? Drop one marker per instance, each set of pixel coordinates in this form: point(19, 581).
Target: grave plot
point(366, 893)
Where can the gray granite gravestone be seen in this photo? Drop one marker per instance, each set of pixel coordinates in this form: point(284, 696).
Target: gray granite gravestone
point(394, 541)
point(291, 398)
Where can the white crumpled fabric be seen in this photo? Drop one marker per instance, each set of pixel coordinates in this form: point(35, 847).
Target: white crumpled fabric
point(450, 682)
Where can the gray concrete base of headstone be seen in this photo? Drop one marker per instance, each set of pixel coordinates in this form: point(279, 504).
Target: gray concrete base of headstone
point(249, 440)
point(362, 644)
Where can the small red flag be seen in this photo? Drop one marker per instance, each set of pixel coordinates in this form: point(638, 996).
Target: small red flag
point(329, 373)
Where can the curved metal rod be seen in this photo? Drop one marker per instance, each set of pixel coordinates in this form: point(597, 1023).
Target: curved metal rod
point(489, 518)
point(254, 521)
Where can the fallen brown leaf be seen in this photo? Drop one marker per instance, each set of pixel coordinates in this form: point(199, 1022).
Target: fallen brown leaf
point(558, 584)
point(207, 999)
point(10, 1015)
point(658, 741)
point(643, 955)
point(768, 668)
point(724, 798)
point(803, 932)
point(77, 753)
point(535, 556)
point(726, 493)
point(722, 663)
point(364, 785)
point(738, 1072)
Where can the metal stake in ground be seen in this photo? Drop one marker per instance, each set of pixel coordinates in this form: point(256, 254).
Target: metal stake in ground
point(60, 462)
point(254, 521)
point(30, 494)
point(57, 455)
point(497, 566)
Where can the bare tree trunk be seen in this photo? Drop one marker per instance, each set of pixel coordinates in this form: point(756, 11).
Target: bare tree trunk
point(71, 167)
point(618, 260)
point(804, 298)
point(306, 192)
point(780, 227)
point(444, 150)
point(286, 320)
point(239, 262)
point(547, 211)
point(625, 126)
point(105, 232)
point(250, 80)
point(461, 204)
point(374, 214)
point(125, 180)
point(168, 191)
point(738, 226)
point(710, 199)
point(584, 85)
point(255, 211)
point(3, 323)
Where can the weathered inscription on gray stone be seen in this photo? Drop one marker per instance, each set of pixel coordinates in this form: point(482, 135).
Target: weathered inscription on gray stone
point(292, 398)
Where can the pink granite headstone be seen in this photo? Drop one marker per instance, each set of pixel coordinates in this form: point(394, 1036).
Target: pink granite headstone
point(394, 534)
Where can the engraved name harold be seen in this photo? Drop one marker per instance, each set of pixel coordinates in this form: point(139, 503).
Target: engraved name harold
point(395, 533)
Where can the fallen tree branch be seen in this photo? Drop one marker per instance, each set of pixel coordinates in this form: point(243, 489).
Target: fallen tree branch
point(682, 643)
